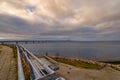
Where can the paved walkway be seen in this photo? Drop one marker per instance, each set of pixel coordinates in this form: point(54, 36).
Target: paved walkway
point(8, 70)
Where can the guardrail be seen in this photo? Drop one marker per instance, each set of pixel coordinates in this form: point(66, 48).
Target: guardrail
point(51, 60)
point(36, 68)
point(20, 68)
point(33, 71)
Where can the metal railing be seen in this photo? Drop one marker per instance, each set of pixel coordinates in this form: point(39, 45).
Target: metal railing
point(38, 69)
point(20, 68)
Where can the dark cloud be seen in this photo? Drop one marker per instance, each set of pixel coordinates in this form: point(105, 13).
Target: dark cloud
point(78, 19)
point(13, 24)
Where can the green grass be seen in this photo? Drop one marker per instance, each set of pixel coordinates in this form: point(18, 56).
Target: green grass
point(77, 63)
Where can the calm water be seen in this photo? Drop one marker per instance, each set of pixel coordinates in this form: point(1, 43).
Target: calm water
point(85, 50)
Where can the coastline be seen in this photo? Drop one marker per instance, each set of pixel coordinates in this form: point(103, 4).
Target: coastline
point(73, 72)
point(87, 64)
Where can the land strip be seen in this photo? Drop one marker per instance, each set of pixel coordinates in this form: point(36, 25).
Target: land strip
point(76, 69)
point(8, 63)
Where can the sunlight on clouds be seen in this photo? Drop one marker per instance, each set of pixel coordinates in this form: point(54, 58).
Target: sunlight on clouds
point(61, 16)
point(2, 38)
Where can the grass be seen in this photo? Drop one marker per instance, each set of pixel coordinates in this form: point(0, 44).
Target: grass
point(0, 51)
point(26, 69)
point(15, 57)
point(14, 50)
point(0, 46)
point(112, 62)
point(77, 63)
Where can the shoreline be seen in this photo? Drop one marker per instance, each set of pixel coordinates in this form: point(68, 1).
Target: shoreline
point(70, 72)
point(98, 65)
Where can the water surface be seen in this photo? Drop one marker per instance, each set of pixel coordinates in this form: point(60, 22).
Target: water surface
point(86, 50)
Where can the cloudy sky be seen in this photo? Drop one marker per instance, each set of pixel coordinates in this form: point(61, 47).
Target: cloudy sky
point(60, 19)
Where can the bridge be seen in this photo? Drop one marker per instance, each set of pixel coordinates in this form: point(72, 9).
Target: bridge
point(31, 41)
point(43, 68)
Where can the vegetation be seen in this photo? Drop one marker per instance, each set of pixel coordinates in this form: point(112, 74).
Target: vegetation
point(0, 52)
point(77, 63)
point(112, 62)
point(24, 64)
point(0, 49)
point(15, 57)
point(26, 69)
point(0, 46)
point(14, 50)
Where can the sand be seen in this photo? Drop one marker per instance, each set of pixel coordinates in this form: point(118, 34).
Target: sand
point(73, 73)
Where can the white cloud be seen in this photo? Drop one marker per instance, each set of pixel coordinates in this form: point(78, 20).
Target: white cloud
point(60, 17)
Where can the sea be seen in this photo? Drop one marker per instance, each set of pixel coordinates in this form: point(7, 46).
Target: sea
point(90, 50)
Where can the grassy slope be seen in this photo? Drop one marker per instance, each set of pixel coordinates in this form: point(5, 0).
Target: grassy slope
point(77, 63)
point(112, 62)
point(0, 49)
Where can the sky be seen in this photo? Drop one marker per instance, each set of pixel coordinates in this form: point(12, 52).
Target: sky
point(84, 20)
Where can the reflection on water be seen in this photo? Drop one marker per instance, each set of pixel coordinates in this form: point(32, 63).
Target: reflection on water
point(85, 50)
